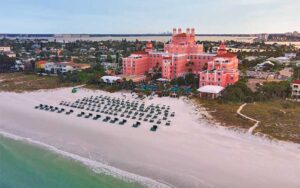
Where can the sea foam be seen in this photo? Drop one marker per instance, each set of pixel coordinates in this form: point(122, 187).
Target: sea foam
point(96, 166)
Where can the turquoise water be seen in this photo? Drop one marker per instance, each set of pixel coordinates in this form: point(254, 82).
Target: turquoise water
point(26, 166)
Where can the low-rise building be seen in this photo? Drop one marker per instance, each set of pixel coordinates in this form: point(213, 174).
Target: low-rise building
point(19, 65)
point(210, 91)
point(11, 54)
point(290, 55)
point(49, 67)
point(40, 64)
point(279, 60)
point(263, 65)
point(5, 49)
point(296, 89)
point(64, 67)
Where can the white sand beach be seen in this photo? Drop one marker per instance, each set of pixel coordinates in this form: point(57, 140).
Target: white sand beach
point(191, 153)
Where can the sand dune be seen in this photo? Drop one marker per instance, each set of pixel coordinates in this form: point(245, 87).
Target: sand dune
point(190, 153)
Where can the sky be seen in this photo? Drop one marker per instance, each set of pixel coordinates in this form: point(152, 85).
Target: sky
point(149, 16)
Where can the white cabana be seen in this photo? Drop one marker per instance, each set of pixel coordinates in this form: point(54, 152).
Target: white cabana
point(162, 80)
point(211, 91)
point(110, 79)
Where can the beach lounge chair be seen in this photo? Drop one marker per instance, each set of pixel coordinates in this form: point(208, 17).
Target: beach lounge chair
point(96, 117)
point(154, 128)
point(123, 122)
point(135, 125)
point(114, 120)
point(106, 119)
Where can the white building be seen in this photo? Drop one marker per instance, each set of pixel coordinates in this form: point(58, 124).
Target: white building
point(64, 67)
point(61, 67)
point(290, 55)
point(210, 91)
point(261, 66)
point(279, 60)
point(296, 89)
point(5, 49)
point(11, 54)
point(49, 67)
point(110, 79)
point(19, 65)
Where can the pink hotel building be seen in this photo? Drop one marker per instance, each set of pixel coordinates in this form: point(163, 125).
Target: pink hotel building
point(182, 56)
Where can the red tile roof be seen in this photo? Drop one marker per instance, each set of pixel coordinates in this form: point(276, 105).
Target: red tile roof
point(181, 35)
point(41, 62)
point(296, 81)
point(227, 55)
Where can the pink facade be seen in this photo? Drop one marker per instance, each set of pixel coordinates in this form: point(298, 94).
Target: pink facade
point(182, 55)
point(222, 71)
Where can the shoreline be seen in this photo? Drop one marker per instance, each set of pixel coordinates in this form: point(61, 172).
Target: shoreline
point(96, 166)
point(190, 153)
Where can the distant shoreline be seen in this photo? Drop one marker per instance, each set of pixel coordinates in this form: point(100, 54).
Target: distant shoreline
point(161, 38)
point(248, 38)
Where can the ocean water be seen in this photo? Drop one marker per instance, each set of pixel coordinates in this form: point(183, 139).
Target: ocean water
point(27, 166)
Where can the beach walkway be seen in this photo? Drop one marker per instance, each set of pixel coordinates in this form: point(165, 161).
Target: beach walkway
point(251, 129)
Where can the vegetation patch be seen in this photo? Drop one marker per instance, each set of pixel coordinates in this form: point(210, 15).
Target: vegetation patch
point(224, 112)
point(20, 82)
point(278, 118)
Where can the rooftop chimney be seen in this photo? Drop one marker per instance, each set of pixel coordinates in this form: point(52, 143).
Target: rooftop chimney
point(179, 30)
point(174, 31)
point(193, 31)
point(188, 30)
